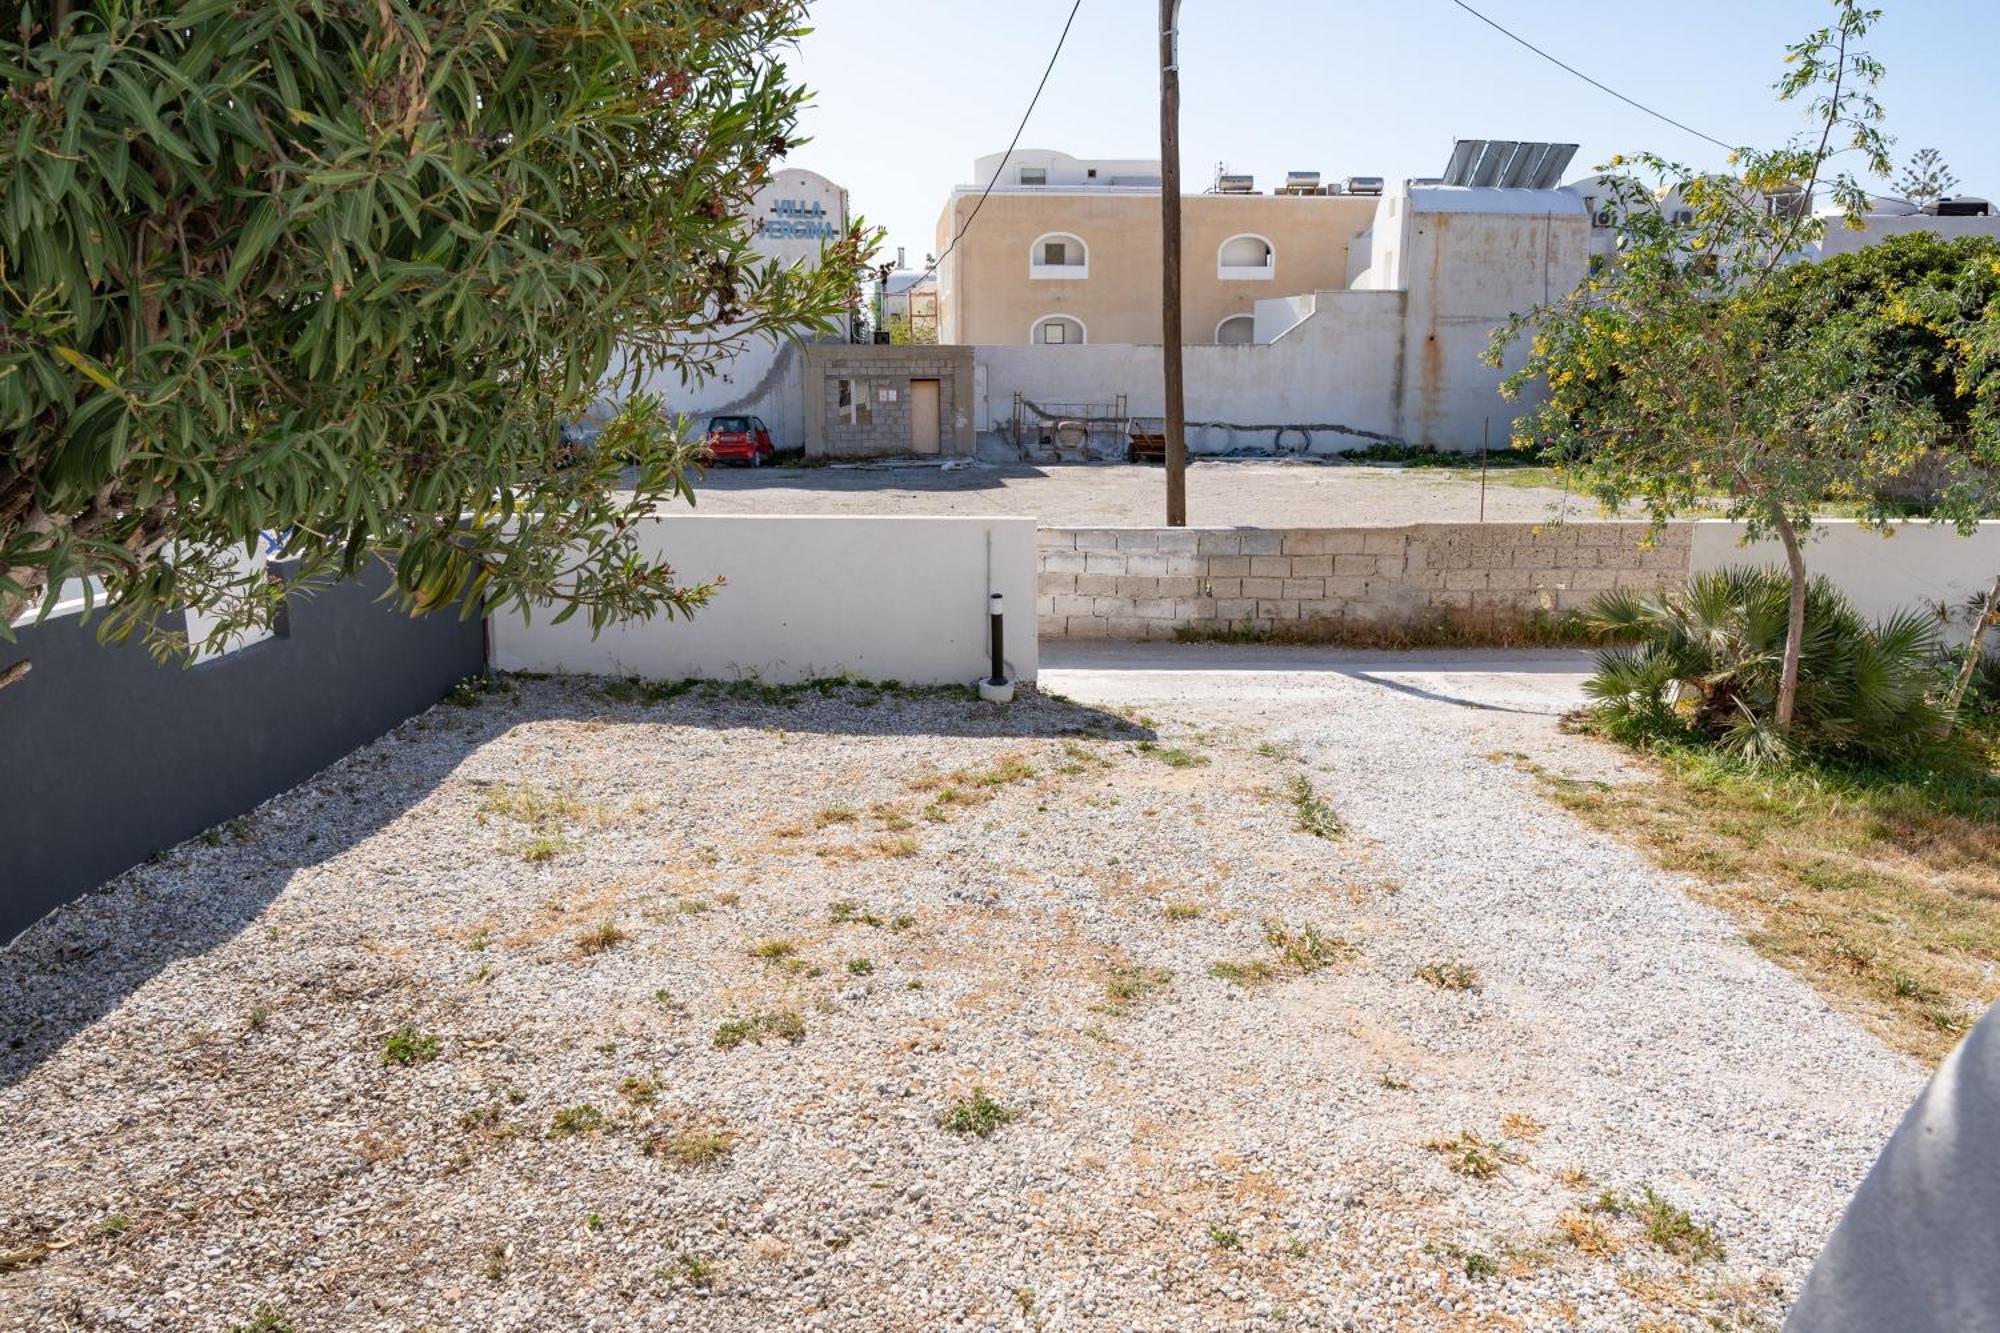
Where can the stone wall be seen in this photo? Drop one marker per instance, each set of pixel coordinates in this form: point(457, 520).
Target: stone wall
point(1140, 583)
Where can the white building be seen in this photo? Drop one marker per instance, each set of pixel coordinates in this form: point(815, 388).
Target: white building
point(792, 217)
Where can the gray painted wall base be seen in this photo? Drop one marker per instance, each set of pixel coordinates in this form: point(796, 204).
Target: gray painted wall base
point(107, 756)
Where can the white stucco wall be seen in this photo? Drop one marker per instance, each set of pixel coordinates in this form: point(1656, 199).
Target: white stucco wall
point(1840, 239)
point(1913, 566)
point(806, 596)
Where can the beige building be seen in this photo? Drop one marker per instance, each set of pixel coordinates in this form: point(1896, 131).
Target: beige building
point(1067, 250)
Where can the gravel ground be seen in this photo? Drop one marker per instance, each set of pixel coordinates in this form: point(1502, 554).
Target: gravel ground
point(836, 917)
point(1224, 494)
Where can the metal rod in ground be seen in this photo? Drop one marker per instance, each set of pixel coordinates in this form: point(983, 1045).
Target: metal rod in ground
point(1485, 433)
point(1170, 268)
point(996, 621)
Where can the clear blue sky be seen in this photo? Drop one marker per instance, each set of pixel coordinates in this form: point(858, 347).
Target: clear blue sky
point(910, 91)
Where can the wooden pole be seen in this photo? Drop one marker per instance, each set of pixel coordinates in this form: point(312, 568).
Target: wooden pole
point(1170, 263)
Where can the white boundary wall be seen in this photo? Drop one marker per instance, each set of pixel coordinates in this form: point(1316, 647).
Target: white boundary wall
point(878, 598)
point(1913, 566)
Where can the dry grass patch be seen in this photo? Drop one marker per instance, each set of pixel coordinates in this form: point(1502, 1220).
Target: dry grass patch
point(601, 938)
point(1883, 891)
point(691, 1147)
point(1470, 1155)
point(1126, 984)
point(1450, 976)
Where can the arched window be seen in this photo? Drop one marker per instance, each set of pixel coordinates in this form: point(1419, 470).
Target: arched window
point(1059, 255)
point(1055, 330)
point(1246, 257)
point(1237, 329)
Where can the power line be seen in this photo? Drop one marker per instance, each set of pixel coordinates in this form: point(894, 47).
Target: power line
point(1657, 115)
point(1011, 143)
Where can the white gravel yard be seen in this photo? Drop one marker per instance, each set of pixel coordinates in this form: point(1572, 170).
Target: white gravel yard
point(367, 1063)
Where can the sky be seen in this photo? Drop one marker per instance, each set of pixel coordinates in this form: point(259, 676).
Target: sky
point(909, 92)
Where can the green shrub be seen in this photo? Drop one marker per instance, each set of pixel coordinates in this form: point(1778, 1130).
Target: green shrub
point(1702, 661)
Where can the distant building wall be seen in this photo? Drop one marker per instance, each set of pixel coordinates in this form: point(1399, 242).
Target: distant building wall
point(1395, 358)
point(1840, 239)
point(987, 294)
point(110, 756)
point(877, 415)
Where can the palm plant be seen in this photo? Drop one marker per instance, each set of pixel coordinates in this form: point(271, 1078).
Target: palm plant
point(1706, 659)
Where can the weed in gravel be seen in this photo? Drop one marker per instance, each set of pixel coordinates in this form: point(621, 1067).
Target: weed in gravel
point(1523, 1127)
point(691, 906)
point(845, 912)
point(1305, 950)
point(1224, 1238)
point(497, 1260)
point(260, 1016)
point(1470, 1155)
point(489, 1122)
point(784, 1024)
point(407, 1046)
point(1277, 749)
point(537, 806)
point(1243, 971)
point(1314, 815)
point(664, 998)
point(573, 1120)
point(689, 1268)
point(601, 938)
point(1181, 909)
point(1450, 976)
point(640, 1088)
point(691, 1148)
point(1393, 1081)
point(978, 1115)
point(115, 1225)
point(860, 967)
point(1478, 1266)
point(1173, 756)
point(543, 848)
point(1674, 1229)
point(1298, 1247)
point(894, 847)
point(265, 1319)
point(835, 814)
point(1128, 983)
point(480, 939)
point(893, 818)
point(727, 899)
point(774, 950)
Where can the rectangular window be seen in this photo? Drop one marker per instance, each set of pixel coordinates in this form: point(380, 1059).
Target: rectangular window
point(1034, 175)
point(852, 404)
point(1055, 252)
point(1055, 331)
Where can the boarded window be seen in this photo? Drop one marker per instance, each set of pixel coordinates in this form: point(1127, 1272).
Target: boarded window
point(1055, 252)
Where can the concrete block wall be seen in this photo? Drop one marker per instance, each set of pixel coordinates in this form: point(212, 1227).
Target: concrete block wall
point(1145, 583)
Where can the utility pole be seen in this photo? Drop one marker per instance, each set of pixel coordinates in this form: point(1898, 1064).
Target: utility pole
point(1170, 261)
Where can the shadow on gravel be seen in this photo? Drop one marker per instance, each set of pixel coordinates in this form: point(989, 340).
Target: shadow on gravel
point(831, 706)
point(84, 960)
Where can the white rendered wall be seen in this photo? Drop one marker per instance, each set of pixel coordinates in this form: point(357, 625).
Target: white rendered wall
point(873, 597)
point(1920, 565)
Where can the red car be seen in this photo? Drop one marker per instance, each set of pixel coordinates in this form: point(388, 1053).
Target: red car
point(738, 440)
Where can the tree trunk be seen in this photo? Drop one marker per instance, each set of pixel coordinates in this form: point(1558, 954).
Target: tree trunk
point(1795, 622)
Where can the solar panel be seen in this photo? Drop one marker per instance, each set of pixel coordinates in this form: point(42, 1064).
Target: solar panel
point(1511, 164)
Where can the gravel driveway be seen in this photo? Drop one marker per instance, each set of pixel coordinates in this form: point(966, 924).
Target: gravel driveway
point(884, 1011)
